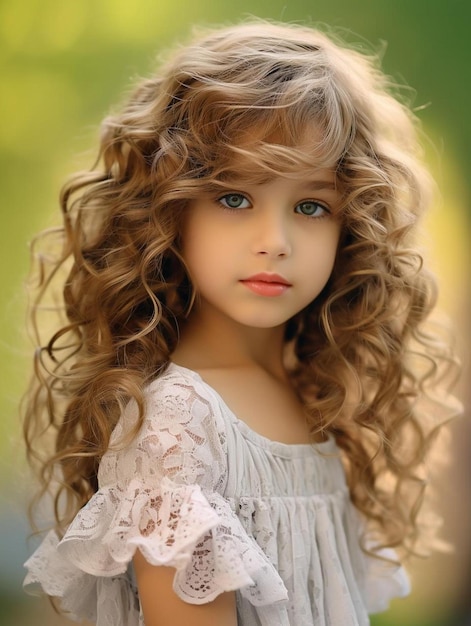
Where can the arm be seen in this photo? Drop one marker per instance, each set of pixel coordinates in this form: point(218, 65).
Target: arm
point(162, 607)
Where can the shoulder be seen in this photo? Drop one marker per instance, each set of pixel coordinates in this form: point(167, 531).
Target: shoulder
point(179, 395)
point(182, 434)
point(176, 380)
point(177, 401)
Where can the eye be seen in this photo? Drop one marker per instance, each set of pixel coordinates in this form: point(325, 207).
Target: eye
point(311, 208)
point(234, 201)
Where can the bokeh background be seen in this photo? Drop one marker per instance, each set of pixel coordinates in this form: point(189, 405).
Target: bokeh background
point(63, 63)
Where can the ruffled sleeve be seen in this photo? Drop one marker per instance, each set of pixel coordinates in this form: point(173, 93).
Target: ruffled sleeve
point(161, 494)
point(385, 580)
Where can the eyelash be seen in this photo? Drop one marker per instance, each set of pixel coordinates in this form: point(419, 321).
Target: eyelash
point(319, 205)
point(324, 208)
point(229, 208)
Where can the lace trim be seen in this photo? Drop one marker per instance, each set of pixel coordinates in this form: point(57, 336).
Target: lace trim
point(177, 526)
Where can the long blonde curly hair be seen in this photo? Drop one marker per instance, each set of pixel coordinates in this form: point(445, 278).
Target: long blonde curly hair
point(241, 101)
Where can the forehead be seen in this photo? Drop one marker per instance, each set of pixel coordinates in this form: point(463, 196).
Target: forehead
point(256, 156)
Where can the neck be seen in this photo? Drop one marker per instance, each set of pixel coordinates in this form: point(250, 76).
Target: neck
point(212, 340)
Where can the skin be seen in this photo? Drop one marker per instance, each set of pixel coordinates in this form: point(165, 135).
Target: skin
point(284, 226)
point(162, 607)
point(234, 336)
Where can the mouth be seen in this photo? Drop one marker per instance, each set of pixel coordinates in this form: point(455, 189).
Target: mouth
point(265, 277)
point(264, 284)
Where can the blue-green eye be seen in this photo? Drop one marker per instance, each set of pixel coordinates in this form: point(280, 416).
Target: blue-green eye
point(311, 208)
point(234, 201)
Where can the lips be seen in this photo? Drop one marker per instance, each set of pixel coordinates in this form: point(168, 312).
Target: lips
point(265, 284)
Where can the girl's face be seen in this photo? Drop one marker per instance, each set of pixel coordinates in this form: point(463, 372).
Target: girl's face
point(259, 254)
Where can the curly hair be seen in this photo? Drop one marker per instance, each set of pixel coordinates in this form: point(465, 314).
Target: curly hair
point(242, 101)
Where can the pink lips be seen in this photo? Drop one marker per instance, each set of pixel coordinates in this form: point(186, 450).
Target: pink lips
point(265, 284)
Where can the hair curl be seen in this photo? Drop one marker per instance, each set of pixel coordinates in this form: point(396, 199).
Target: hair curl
point(242, 101)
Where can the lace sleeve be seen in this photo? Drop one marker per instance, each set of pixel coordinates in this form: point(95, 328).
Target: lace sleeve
point(182, 438)
point(163, 493)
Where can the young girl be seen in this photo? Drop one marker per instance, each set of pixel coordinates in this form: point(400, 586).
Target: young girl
point(234, 390)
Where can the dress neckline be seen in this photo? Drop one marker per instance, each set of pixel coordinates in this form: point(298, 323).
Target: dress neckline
point(278, 448)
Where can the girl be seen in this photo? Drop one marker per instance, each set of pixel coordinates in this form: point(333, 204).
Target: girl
point(233, 392)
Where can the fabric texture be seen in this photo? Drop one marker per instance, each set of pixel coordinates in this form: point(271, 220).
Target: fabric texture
point(198, 490)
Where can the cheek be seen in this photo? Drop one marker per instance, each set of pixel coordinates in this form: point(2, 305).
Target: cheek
point(319, 269)
point(204, 256)
point(200, 232)
point(193, 240)
point(322, 252)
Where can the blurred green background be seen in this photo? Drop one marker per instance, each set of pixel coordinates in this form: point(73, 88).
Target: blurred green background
point(65, 62)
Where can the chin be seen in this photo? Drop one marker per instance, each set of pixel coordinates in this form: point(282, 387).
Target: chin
point(263, 323)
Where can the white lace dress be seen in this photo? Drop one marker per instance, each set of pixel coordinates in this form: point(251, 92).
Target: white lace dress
point(229, 509)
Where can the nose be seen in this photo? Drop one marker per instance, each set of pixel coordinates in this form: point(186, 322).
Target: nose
point(271, 234)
